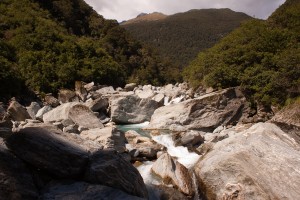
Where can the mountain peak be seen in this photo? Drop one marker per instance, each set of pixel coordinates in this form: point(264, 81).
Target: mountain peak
point(155, 16)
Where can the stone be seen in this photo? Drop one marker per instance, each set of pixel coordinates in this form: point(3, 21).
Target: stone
point(110, 169)
point(83, 191)
point(51, 101)
point(80, 91)
point(205, 113)
point(17, 112)
point(130, 87)
point(145, 93)
point(33, 109)
point(192, 138)
point(42, 111)
point(90, 86)
point(65, 95)
point(108, 137)
point(98, 105)
point(132, 109)
point(262, 162)
point(173, 172)
point(106, 90)
point(289, 115)
point(71, 129)
point(48, 151)
point(16, 181)
point(5, 132)
point(87, 145)
point(78, 113)
point(159, 98)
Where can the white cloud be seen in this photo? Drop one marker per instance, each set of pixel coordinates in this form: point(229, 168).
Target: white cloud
point(127, 9)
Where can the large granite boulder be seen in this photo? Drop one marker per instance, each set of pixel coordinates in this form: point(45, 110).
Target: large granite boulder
point(84, 143)
point(39, 115)
point(48, 151)
point(173, 172)
point(83, 191)
point(108, 137)
point(262, 162)
point(204, 113)
point(80, 90)
point(78, 113)
point(132, 109)
point(17, 112)
point(110, 169)
point(16, 182)
point(98, 105)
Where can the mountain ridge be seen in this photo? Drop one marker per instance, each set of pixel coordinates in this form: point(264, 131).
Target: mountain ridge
point(181, 36)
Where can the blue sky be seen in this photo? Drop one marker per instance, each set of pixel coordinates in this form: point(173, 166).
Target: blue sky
point(128, 9)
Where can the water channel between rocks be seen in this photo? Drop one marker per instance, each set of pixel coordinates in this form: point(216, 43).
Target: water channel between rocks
point(183, 156)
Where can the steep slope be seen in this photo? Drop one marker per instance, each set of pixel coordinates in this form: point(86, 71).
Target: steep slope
point(262, 56)
point(181, 36)
point(50, 44)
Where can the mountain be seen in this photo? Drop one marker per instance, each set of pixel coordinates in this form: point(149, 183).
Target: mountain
point(261, 56)
point(47, 45)
point(181, 36)
point(143, 17)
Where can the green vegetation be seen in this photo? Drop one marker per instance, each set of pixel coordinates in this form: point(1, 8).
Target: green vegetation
point(261, 56)
point(50, 44)
point(180, 37)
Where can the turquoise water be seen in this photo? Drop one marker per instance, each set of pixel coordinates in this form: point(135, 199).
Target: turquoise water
point(135, 127)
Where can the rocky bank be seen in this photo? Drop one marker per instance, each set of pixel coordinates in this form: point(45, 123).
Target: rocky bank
point(69, 147)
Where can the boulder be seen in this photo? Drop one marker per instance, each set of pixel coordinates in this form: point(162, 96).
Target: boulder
point(204, 113)
point(130, 87)
point(33, 109)
point(80, 90)
point(78, 113)
point(90, 86)
point(65, 95)
point(144, 94)
point(51, 100)
point(262, 162)
point(83, 191)
point(173, 172)
point(16, 182)
point(108, 137)
point(106, 90)
point(132, 109)
point(87, 145)
point(159, 98)
point(42, 111)
point(48, 151)
point(288, 119)
point(98, 105)
point(110, 169)
point(17, 112)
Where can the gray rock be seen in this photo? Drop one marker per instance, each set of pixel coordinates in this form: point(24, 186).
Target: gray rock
point(90, 86)
point(98, 105)
point(132, 109)
point(80, 90)
point(65, 95)
point(42, 111)
point(110, 169)
point(16, 182)
point(289, 115)
point(51, 101)
point(192, 138)
point(87, 145)
point(17, 112)
point(78, 113)
point(173, 172)
point(48, 151)
point(261, 162)
point(159, 98)
point(130, 86)
point(106, 90)
point(33, 109)
point(145, 93)
point(83, 191)
point(71, 129)
point(108, 137)
point(204, 113)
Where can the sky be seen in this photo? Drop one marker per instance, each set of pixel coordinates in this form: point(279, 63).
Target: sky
point(127, 9)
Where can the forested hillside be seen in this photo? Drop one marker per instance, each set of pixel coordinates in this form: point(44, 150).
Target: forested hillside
point(261, 56)
point(47, 45)
point(180, 37)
